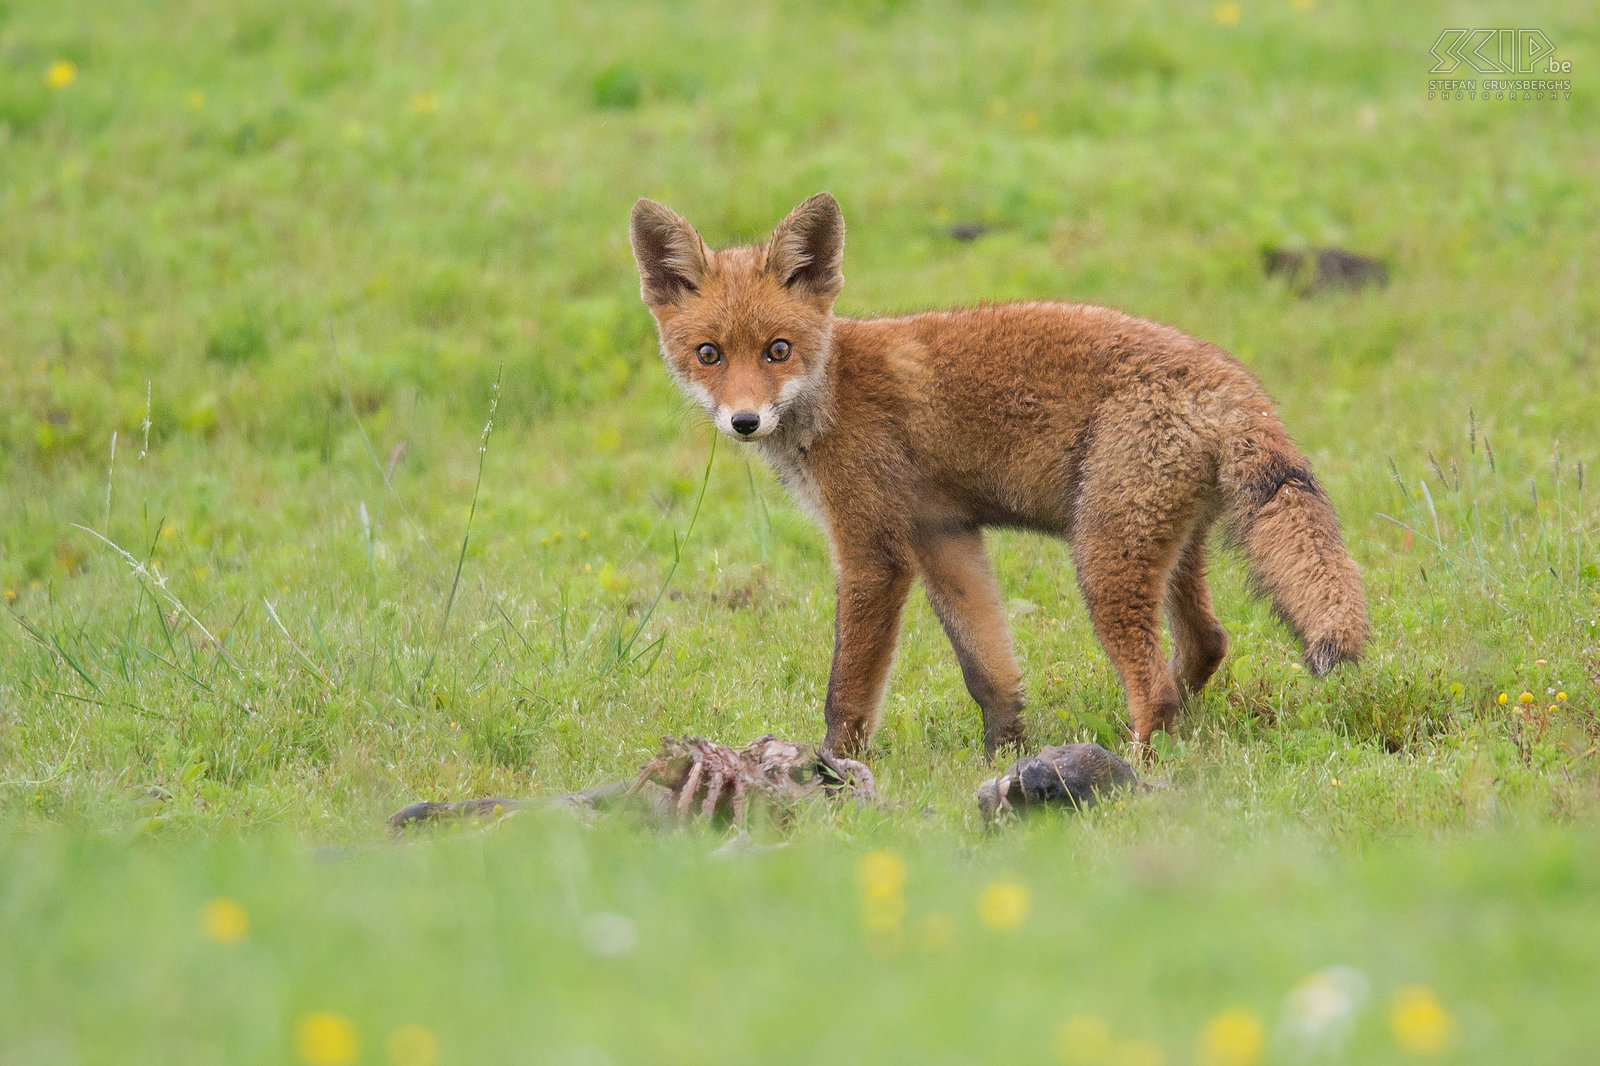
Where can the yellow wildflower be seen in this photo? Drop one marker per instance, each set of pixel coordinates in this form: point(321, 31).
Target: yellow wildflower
point(225, 921)
point(1233, 1038)
point(1421, 1025)
point(195, 100)
point(1501, 699)
point(1525, 698)
point(881, 873)
point(60, 74)
point(883, 912)
point(1227, 14)
point(1003, 905)
point(882, 876)
point(424, 103)
point(323, 1038)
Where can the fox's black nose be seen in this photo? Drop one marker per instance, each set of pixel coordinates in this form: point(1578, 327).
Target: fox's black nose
point(746, 423)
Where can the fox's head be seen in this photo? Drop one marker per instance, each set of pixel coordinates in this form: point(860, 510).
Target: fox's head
point(745, 331)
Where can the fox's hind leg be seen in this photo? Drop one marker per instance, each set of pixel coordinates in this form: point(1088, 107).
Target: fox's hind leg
point(1141, 492)
point(961, 587)
point(1123, 581)
point(1198, 639)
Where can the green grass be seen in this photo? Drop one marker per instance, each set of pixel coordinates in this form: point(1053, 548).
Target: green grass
point(282, 253)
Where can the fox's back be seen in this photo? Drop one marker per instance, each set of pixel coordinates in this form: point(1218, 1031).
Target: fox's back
point(995, 404)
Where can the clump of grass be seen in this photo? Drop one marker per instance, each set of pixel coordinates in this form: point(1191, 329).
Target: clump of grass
point(239, 336)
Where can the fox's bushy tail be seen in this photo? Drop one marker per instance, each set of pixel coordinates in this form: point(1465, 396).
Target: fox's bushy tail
point(1274, 509)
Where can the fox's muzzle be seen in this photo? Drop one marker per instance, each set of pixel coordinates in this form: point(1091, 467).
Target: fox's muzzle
point(746, 423)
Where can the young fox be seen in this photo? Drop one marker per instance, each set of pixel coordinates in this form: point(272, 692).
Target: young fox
point(905, 437)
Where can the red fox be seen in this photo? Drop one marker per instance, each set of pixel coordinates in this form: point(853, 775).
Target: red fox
point(906, 437)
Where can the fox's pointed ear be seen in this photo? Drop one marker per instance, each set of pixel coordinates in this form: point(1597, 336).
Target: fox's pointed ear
point(670, 254)
point(807, 249)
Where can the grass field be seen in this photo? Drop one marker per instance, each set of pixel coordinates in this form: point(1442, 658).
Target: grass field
point(338, 470)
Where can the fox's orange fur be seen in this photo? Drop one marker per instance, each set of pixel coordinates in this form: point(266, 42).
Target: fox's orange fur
point(905, 437)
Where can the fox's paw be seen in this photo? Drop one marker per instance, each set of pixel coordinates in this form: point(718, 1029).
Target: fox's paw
point(1006, 740)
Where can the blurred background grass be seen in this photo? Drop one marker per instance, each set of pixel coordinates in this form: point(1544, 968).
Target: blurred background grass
point(281, 253)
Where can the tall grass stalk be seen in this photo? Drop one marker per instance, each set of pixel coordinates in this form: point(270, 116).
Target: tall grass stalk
point(624, 649)
point(466, 536)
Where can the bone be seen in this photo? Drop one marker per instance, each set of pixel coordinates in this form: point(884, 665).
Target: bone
point(724, 781)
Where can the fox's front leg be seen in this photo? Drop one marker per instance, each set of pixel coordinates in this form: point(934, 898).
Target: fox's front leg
point(961, 586)
point(872, 593)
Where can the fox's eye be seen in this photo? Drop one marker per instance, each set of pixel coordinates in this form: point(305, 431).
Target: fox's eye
point(778, 351)
point(709, 355)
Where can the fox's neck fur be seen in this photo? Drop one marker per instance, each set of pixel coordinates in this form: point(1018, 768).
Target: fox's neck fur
point(805, 416)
